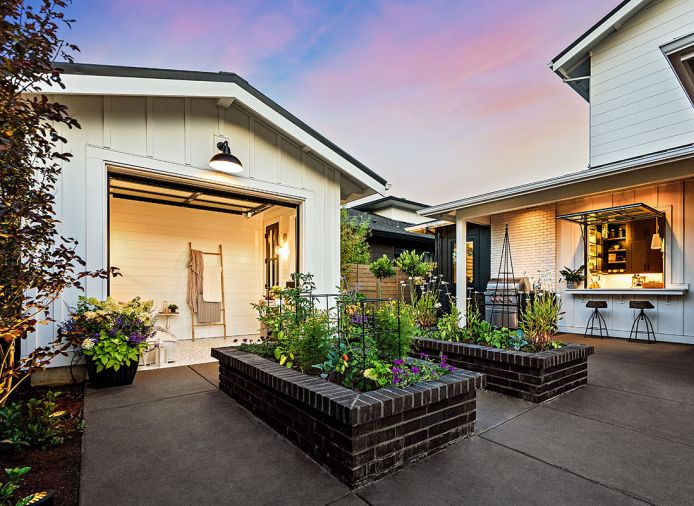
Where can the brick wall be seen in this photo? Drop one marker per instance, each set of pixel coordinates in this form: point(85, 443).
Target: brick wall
point(360, 436)
point(532, 234)
point(534, 377)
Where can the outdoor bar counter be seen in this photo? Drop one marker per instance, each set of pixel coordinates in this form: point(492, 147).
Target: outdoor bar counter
point(635, 292)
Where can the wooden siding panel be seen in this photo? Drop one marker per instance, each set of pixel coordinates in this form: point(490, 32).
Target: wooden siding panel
point(129, 124)
point(149, 243)
point(168, 132)
point(637, 104)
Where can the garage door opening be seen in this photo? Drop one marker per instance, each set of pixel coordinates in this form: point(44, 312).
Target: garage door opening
point(238, 246)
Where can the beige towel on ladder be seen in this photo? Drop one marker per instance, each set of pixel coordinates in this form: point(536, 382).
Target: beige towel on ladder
point(212, 284)
point(209, 312)
point(196, 268)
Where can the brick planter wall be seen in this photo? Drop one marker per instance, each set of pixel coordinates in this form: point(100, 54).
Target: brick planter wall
point(535, 377)
point(358, 436)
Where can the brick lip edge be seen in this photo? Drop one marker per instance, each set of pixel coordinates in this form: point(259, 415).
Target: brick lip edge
point(339, 402)
point(539, 360)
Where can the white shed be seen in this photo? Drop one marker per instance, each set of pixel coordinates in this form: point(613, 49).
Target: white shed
point(139, 191)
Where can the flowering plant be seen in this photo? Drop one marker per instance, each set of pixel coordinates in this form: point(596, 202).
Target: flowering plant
point(413, 371)
point(112, 333)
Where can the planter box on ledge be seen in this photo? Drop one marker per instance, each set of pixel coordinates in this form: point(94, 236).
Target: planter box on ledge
point(359, 436)
point(534, 377)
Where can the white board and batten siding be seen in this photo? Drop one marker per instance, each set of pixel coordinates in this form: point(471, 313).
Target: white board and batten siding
point(673, 317)
point(149, 244)
point(637, 105)
point(175, 137)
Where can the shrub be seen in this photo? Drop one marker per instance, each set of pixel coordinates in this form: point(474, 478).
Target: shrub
point(382, 269)
point(540, 321)
point(313, 341)
point(36, 422)
point(414, 265)
point(353, 246)
point(449, 324)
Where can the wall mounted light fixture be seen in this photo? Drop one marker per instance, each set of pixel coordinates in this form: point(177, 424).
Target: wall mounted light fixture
point(283, 249)
point(225, 161)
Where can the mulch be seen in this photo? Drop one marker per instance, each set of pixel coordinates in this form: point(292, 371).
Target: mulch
point(57, 468)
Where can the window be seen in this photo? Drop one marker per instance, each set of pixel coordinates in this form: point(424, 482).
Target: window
point(272, 261)
point(680, 54)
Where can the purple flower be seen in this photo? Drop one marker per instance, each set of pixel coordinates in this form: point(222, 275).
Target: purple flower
point(415, 369)
point(398, 361)
point(423, 355)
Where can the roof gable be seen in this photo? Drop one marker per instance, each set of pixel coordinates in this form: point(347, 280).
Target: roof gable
point(83, 78)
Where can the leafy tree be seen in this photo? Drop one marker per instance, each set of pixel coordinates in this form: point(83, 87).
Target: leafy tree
point(36, 262)
point(382, 268)
point(353, 246)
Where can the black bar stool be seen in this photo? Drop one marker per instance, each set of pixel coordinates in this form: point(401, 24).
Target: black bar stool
point(641, 317)
point(596, 317)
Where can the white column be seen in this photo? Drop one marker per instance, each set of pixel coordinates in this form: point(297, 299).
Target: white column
point(461, 264)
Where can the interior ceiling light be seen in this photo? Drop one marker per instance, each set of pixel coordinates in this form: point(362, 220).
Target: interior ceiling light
point(225, 162)
point(656, 241)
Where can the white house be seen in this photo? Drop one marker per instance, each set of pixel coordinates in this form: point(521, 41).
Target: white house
point(139, 191)
point(630, 215)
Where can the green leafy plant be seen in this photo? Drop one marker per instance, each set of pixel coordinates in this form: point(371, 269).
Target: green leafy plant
point(265, 349)
point(173, 308)
point(111, 333)
point(448, 325)
point(573, 276)
point(354, 249)
point(13, 480)
point(36, 422)
point(540, 321)
point(284, 357)
point(380, 373)
point(393, 329)
point(382, 268)
point(416, 268)
point(313, 341)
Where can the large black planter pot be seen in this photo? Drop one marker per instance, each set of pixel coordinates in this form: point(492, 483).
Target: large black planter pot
point(110, 377)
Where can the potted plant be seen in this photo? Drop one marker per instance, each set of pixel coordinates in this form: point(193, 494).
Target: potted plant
point(573, 277)
point(112, 336)
point(173, 308)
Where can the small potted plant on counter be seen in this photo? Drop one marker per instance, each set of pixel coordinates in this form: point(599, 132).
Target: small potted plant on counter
point(112, 336)
point(173, 308)
point(573, 277)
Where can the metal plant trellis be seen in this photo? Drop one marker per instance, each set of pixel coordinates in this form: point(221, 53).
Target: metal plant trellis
point(353, 320)
point(504, 293)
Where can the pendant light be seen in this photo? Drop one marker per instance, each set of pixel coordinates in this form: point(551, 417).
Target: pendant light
point(656, 241)
point(225, 162)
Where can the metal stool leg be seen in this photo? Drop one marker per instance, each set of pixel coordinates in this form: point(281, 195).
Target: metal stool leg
point(591, 322)
point(604, 324)
point(635, 324)
point(649, 327)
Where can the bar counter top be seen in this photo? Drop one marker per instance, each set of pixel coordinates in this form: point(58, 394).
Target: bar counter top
point(629, 291)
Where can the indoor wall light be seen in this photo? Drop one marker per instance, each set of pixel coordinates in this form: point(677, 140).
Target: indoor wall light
point(225, 161)
point(656, 241)
point(283, 250)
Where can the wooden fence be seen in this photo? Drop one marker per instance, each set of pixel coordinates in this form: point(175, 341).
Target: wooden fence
point(359, 277)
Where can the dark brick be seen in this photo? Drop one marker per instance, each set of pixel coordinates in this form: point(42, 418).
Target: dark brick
point(360, 437)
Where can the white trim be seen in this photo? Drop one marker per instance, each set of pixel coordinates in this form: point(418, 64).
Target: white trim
point(596, 35)
point(82, 84)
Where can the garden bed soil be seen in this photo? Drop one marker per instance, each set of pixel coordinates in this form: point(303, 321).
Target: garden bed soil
point(359, 436)
point(57, 468)
point(535, 377)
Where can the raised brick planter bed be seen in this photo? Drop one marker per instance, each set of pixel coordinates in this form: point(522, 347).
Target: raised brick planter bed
point(535, 377)
point(359, 436)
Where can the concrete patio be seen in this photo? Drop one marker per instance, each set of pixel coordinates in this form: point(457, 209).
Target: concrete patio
point(625, 438)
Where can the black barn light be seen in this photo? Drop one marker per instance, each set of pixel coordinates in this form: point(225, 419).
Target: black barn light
point(225, 161)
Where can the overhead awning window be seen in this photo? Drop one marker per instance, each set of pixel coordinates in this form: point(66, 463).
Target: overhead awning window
point(133, 188)
point(618, 214)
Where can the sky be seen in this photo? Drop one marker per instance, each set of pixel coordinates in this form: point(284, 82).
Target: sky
point(444, 99)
